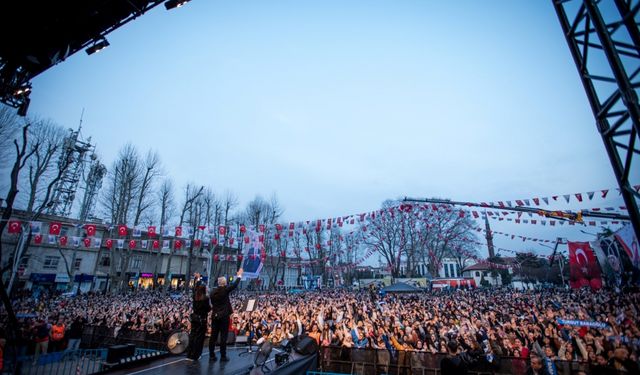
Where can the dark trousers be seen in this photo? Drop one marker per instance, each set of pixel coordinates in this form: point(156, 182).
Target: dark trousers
point(196, 336)
point(220, 326)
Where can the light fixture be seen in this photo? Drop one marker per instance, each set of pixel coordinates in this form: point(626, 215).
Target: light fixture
point(97, 46)
point(171, 4)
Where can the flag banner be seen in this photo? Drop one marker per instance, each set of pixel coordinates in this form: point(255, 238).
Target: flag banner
point(37, 239)
point(108, 243)
point(87, 242)
point(156, 244)
point(75, 241)
point(52, 239)
point(54, 228)
point(144, 244)
point(165, 244)
point(15, 227)
point(583, 267)
point(97, 242)
point(122, 230)
point(120, 244)
point(36, 227)
point(137, 231)
point(90, 229)
point(629, 242)
point(178, 232)
point(132, 244)
point(151, 231)
point(165, 231)
point(189, 231)
point(607, 254)
point(582, 323)
point(252, 264)
point(187, 244)
point(63, 240)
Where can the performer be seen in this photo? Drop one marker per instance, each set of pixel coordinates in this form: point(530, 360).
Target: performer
point(221, 310)
point(201, 308)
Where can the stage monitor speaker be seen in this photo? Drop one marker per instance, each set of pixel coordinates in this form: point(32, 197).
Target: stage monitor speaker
point(231, 338)
point(306, 345)
point(263, 354)
point(116, 352)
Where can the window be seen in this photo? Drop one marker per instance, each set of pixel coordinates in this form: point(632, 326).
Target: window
point(51, 263)
point(477, 273)
point(24, 261)
point(453, 271)
point(136, 262)
point(105, 261)
point(446, 270)
point(76, 265)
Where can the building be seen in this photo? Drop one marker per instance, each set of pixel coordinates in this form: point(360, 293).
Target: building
point(483, 274)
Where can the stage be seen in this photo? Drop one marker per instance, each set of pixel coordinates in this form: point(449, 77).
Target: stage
point(238, 364)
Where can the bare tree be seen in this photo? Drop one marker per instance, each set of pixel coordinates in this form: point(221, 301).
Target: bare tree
point(165, 199)
point(152, 170)
point(9, 128)
point(123, 185)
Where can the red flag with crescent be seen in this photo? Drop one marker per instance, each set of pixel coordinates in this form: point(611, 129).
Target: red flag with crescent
point(222, 230)
point(37, 239)
point(122, 230)
point(14, 227)
point(583, 266)
point(91, 229)
point(243, 229)
point(178, 244)
point(87, 242)
point(132, 244)
point(151, 231)
point(178, 231)
point(54, 228)
point(63, 241)
point(197, 243)
point(156, 244)
point(108, 243)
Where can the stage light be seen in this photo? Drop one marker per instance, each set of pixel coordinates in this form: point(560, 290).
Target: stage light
point(97, 46)
point(24, 90)
point(171, 4)
point(24, 107)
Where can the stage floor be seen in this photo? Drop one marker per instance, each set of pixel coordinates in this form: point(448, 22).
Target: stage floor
point(238, 364)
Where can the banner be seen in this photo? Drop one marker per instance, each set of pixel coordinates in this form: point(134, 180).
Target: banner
point(252, 257)
point(629, 242)
point(606, 251)
point(584, 270)
point(582, 323)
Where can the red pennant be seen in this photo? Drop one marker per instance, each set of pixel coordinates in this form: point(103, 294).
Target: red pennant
point(261, 238)
point(37, 239)
point(290, 233)
point(278, 227)
point(15, 226)
point(231, 241)
point(122, 230)
point(579, 196)
point(247, 239)
point(132, 244)
point(151, 231)
point(87, 242)
point(197, 243)
point(54, 228)
point(178, 231)
point(276, 237)
point(91, 229)
point(318, 246)
point(222, 230)
point(239, 257)
point(156, 244)
point(243, 229)
point(261, 228)
point(63, 241)
point(216, 258)
point(283, 254)
point(202, 227)
point(214, 241)
point(292, 226)
point(178, 244)
point(108, 243)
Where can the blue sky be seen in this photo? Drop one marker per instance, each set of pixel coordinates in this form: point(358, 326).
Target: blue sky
point(336, 106)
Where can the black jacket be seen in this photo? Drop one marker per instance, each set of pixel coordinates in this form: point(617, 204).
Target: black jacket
point(220, 304)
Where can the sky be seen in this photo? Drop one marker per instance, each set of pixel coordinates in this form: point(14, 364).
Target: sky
point(336, 106)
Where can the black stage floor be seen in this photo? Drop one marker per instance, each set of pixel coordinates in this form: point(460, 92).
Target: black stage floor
point(238, 364)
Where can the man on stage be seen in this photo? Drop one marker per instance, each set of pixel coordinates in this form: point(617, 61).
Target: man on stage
point(221, 310)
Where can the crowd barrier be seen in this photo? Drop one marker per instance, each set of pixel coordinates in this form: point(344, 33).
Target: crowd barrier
point(372, 361)
point(100, 337)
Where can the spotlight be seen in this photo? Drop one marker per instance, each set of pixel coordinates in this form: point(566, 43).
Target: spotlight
point(24, 107)
point(24, 90)
point(171, 4)
point(97, 46)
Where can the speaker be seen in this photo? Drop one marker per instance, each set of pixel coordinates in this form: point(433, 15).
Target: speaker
point(306, 345)
point(116, 352)
point(231, 338)
point(263, 354)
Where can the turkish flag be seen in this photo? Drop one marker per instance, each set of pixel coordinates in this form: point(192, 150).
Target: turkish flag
point(216, 258)
point(231, 241)
point(37, 239)
point(222, 230)
point(197, 243)
point(278, 227)
point(151, 231)
point(156, 244)
point(277, 236)
point(243, 229)
point(87, 242)
point(132, 244)
point(292, 226)
point(63, 241)
point(122, 230)
point(108, 243)
point(239, 257)
point(214, 241)
point(178, 231)
point(247, 239)
point(178, 244)
point(318, 246)
point(283, 254)
point(54, 228)
point(15, 226)
point(261, 228)
point(583, 266)
point(91, 229)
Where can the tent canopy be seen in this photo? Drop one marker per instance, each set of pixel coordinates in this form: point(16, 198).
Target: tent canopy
point(401, 288)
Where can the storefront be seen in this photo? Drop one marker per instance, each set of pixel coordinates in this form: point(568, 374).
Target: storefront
point(145, 280)
point(177, 281)
point(62, 282)
point(84, 281)
point(42, 281)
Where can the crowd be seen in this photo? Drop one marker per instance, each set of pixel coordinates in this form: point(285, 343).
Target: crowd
point(490, 324)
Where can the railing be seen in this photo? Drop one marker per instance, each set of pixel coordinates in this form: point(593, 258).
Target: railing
point(85, 362)
point(372, 361)
point(100, 337)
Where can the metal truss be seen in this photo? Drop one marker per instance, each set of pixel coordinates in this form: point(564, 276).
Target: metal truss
point(604, 41)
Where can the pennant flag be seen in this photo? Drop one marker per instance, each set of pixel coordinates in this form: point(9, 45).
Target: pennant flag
point(178, 244)
point(247, 239)
point(120, 244)
point(261, 228)
point(197, 242)
point(583, 267)
point(63, 240)
point(231, 241)
point(108, 243)
point(629, 242)
point(122, 230)
point(155, 244)
point(590, 195)
point(144, 244)
point(519, 202)
point(216, 258)
point(239, 257)
point(87, 242)
point(151, 231)
point(137, 232)
point(178, 232)
point(97, 242)
point(132, 244)
point(15, 226)
point(165, 231)
point(214, 241)
point(278, 227)
point(566, 197)
point(52, 239)
point(202, 227)
point(75, 241)
point(165, 244)
point(292, 226)
point(579, 196)
point(37, 239)
point(243, 229)
point(54, 228)
point(222, 230)
point(546, 200)
point(90, 229)
point(536, 201)
point(187, 244)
